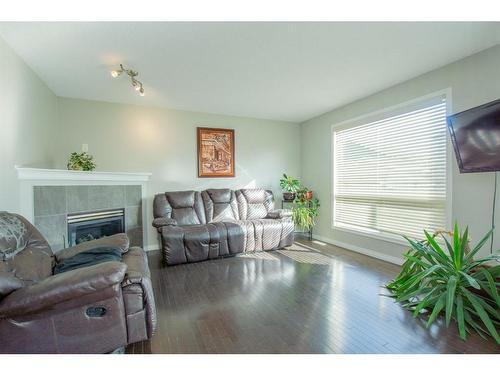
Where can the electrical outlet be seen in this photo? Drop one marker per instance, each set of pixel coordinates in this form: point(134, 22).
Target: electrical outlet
point(85, 147)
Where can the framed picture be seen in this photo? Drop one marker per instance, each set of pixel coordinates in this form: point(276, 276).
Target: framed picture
point(215, 152)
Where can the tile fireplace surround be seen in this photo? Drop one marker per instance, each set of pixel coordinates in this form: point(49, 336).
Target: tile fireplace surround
point(49, 195)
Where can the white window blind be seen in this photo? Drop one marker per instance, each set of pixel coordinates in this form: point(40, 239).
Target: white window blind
point(390, 174)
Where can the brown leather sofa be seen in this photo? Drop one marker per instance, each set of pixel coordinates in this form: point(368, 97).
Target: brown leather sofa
point(196, 226)
point(94, 309)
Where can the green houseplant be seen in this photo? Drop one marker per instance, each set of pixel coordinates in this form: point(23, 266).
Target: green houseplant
point(305, 212)
point(81, 162)
point(290, 187)
point(447, 279)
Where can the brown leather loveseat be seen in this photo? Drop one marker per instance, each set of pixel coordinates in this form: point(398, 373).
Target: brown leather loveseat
point(95, 309)
point(196, 226)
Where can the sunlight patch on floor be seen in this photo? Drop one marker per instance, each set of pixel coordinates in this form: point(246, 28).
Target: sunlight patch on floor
point(305, 256)
point(316, 242)
point(259, 255)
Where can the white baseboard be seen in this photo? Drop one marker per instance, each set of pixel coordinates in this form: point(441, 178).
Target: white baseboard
point(151, 247)
point(361, 250)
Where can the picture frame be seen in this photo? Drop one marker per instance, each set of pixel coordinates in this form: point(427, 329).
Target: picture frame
point(215, 152)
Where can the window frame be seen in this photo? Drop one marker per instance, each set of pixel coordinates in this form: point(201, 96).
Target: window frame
point(378, 115)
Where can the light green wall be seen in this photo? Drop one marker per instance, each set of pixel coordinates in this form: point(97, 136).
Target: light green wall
point(474, 80)
point(128, 138)
point(28, 115)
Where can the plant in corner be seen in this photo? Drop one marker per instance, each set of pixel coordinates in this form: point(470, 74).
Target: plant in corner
point(305, 212)
point(81, 162)
point(446, 279)
point(290, 187)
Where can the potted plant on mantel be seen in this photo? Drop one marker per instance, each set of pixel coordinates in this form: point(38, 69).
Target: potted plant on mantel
point(81, 162)
point(290, 187)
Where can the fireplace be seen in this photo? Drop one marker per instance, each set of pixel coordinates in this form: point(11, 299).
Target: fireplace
point(90, 226)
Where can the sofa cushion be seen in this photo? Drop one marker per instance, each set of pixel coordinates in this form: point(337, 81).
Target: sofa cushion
point(220, 205)
point(186, 207)
point(254, 203)
point(181, 199)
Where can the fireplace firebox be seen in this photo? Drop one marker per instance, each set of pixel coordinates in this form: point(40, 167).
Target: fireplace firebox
point(90, 226)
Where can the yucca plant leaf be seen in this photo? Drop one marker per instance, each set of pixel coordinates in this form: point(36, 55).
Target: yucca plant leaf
point(456, 246)
point(417, 261)
point(492, 289)
point(420, 249)
point(428, 300)
point(480, 330)
point(460, 317)
point(435, 245)
point(448, 246)
point(415, 279)
point(437, 309)
point(478, 247)
point(488, 305)
point(472, 282)
point(450, 298)
point(482, 314)
point(473, 264)
point(465, 242)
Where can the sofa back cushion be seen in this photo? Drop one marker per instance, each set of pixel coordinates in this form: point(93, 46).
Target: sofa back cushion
point(220, 205)
point(186, 207)
point(254, 203)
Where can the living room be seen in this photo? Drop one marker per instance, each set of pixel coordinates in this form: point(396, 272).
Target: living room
point(249, 187)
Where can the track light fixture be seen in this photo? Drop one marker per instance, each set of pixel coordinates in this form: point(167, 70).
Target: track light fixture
point(136, 84)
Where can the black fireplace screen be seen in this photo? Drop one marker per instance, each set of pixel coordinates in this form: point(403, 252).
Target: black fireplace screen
point(93, 225)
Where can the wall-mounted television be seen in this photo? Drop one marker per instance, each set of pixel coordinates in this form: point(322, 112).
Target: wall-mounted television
point(475, 135)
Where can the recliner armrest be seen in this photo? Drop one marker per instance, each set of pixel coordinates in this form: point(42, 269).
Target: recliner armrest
point(62, 287)
point(163, 221)
point(120, 240)
point(279, 214)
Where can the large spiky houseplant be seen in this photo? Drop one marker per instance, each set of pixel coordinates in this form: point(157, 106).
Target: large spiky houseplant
point(446, 279)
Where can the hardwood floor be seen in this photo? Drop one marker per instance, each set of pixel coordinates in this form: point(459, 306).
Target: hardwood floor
point(311, 298)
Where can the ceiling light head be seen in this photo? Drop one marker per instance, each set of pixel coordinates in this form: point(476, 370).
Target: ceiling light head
point(137, 85)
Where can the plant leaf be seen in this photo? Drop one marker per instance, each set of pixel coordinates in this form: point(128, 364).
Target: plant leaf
point(465, 242)
point(478, 246)
point(482, 314)
point(435, 245)
point(449, 247)
point(456, 246)
point(450, 297)
point(437, 309)
point(472, 282)
point(493, 292)
point(473, 324)
point(460, 317)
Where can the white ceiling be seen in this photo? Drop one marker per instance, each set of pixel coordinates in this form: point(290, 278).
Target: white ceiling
point(283, 71)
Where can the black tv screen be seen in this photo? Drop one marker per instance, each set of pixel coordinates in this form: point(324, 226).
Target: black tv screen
point(475, 135)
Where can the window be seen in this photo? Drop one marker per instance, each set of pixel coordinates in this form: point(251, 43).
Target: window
point(390, 172)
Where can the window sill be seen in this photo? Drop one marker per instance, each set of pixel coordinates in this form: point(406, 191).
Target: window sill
point(392, 238)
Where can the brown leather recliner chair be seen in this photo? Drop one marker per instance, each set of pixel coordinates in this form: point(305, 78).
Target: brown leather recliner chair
point(94, 309)
point(196, 226)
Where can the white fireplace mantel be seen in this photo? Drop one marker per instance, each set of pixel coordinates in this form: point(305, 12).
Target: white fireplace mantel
point(40, 174)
